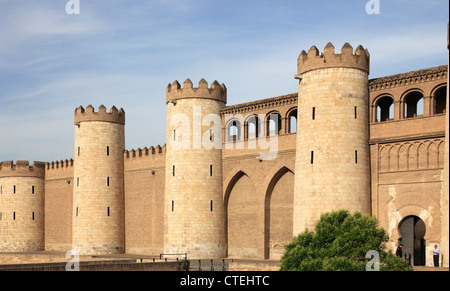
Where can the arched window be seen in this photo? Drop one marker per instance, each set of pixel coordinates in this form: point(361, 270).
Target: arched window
point(253, 127)
point(413, 104)
point(385, 109)
point(440, 100)
point(234, 130)
point(273, 124)
point(292, 117)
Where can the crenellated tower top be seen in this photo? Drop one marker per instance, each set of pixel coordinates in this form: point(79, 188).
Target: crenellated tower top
point(312, 60)
point(216, 92)
point(88, 114)
point(22, 169)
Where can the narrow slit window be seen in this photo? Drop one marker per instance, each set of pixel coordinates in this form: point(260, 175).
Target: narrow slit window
point(14, 189)
point(312, 157)
point(32, 216)
point(356, 157)
point(109, 212)
point(211, 205)
point(78, 181)
point(314, 113)
point(210, 170)
point(356, 112)
point(210, 135)
point(173, 205)
point(78, 151)
point(173, 170)
point(76, 211)
point(175, 135)
point(32, 189)
point(107, 181)
point(14, 215)
point(107, 150)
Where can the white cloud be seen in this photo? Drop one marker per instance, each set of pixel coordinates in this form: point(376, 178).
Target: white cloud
point(410, 49)
point(41, 22)
point(44, 115)
point(24, 26)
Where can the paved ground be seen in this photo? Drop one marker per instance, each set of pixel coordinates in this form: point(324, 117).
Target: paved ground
point(430, 269)
point(203, 265)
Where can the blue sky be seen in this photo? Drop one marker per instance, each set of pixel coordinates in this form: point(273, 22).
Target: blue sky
point(125, 52)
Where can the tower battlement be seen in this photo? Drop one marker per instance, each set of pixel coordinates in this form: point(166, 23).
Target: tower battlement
point(59, 164)
point(22, 169)
point(144, 152)
point(59, 170)
point(312, 60)
point(216, 92)
point(89, 114)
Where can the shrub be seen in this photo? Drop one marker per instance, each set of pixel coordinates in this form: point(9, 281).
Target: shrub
point(340, 243)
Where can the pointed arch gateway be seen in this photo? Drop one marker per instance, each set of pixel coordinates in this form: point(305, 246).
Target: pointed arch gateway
point(242, 217)
point(278, 213)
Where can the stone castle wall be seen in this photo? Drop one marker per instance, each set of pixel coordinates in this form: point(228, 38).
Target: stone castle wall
point(445, 174)
point(144, 180)
point(58, 205)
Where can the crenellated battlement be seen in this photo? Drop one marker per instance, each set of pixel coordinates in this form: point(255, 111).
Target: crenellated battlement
point(89, 114)
point(59, 164)
point(146, 159)
point(59, 170)
point(312, 60)
point(144, 152)
point(22, 169)
point(216, 92)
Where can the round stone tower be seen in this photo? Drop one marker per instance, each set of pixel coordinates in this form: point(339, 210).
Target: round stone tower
point(332, 157)
point(22, 191)
point(194, 211)
point(98, 197)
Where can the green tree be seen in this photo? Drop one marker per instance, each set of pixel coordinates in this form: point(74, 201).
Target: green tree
point(340, 242)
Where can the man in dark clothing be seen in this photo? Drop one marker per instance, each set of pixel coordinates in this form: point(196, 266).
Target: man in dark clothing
point(399, 252)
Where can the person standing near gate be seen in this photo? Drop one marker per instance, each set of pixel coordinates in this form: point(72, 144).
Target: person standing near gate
point(436, 254)
point(399, 251)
